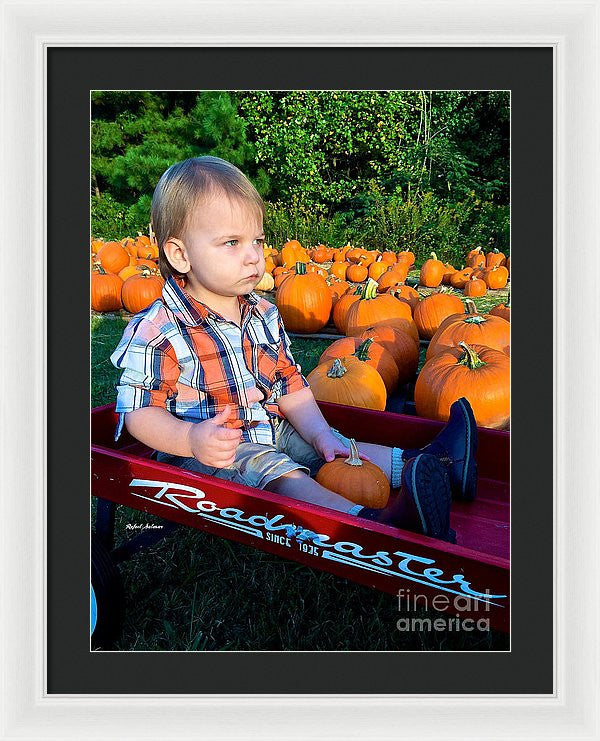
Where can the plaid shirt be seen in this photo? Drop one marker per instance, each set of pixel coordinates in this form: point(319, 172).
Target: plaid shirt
point(181, 355)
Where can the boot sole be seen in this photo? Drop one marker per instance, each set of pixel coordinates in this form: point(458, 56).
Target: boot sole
point(428, 482)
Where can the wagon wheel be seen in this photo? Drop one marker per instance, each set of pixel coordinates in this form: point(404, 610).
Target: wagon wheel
point(107, 597)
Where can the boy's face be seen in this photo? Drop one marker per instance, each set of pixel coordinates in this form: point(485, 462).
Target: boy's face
point(222, 251)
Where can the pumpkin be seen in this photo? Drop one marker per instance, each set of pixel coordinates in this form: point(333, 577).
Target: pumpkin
point(281, 277)
point(139, 291)
point(372, 308)
point(432, 272)
point(362, 482)
point(389, 256)
point(357, 273)
point(105, 290)
point(113, 257)
point(479, 329)
point(378, 268)
point(339, 269)
point(368, 351)
point(476, 258)
point(432, 310)
point(340, 310)
point(317, 269)
point(480, 374)
point(407, 294)
point(355, 254)
point(459, 279)
point(319, 254)
point(292, 252)
point(496, 277)
point(404, 325)
point(304, 301)
point(131, 270)
point(269, 264)
point(348, 381)
point(406, 256)
point(448, 271)
point(502, 310)
point(495, 257)
point(400, 345)
point(338, 288)
point(266, 283)
point(475, 287)
point(96, 244)
point(389, 279)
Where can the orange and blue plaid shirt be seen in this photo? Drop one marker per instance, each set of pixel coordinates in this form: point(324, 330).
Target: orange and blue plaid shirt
point(181, 355)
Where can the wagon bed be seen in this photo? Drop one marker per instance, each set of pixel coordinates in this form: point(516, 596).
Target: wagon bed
point(475, 569)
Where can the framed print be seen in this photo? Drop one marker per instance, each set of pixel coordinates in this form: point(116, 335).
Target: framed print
point(548, 679)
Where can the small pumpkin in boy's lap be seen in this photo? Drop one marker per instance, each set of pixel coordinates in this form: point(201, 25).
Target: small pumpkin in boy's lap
point(362, 482)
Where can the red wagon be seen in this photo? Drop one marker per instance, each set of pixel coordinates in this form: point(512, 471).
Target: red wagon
point(470, 578)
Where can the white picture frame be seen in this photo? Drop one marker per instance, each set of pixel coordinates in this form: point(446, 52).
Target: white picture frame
point(572, 29)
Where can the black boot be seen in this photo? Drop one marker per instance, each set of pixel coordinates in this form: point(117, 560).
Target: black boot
point(455, 446)
point(423, 502)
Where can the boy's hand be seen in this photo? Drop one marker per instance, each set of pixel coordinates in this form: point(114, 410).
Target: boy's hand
point(328, 446)
point(212, 443)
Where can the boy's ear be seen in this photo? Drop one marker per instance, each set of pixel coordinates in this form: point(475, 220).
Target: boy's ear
point(176, 254)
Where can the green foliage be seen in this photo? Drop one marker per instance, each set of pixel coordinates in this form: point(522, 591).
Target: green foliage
point(420, 169)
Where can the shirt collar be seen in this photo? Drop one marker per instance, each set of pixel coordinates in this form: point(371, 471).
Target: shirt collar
point(192, 312)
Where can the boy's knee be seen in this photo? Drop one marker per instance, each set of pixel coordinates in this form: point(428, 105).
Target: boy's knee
point(287, 478)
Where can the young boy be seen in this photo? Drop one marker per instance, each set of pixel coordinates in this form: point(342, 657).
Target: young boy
point(209, 380)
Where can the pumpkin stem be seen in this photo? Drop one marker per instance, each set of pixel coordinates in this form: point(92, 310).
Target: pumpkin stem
point(470, 358)
point(433, 256)
point(362, 351)
point(354, 457)
point(369, 290)
point(300, 268)
point(337, 370)
point(470, 307)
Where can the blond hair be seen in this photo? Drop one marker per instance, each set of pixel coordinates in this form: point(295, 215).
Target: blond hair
point(184, 186)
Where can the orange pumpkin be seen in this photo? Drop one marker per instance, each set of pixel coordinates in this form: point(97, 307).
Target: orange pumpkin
point(480, 374)
point(378, 268)
point(495, 257)
point(473, 328)
point(459, 279)
point(476, 258)
point(113, 257)
point(502, 310)
point(348, 381)
point(407, 294)
point(338, 288)
point(432, 310)
point(340, 310)
point(368, 351)
point(357, 273)
point(292, 252)
point(400, 345)
point(362, 482)
point(432, 272)
point(304, 301)
point(105, 290)
point(339, 269)
point(448, 272)
point(406, 256)
point(373, 307)
point(496, 277)
point(139, 291)
point(475, 287)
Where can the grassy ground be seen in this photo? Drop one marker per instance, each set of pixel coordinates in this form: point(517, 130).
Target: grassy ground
point(194, 591)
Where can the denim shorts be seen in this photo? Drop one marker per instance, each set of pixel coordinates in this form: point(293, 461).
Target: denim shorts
point(256, 464)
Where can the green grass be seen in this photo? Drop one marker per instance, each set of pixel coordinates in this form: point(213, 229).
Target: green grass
point(195, 591)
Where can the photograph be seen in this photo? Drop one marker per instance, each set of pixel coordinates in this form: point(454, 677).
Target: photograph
point(300, 370)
